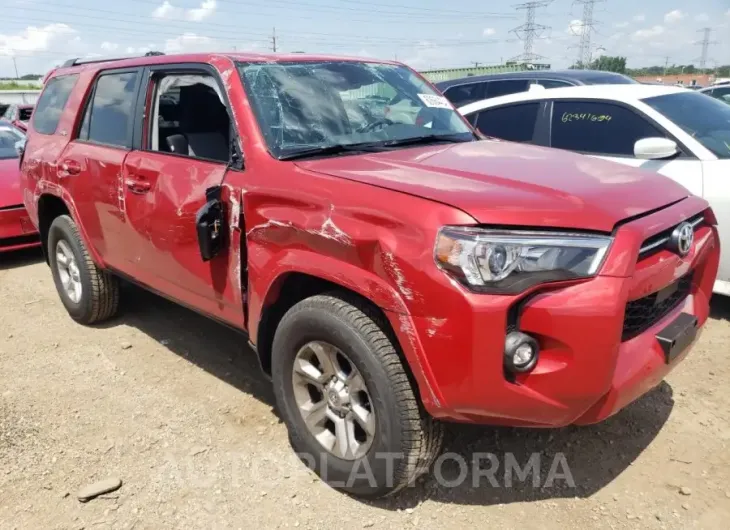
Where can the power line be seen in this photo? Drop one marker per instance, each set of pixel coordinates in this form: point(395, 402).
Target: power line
point(528, 31)
point(586, 29)
point(705, 43)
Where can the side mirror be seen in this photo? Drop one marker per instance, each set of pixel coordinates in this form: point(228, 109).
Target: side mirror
point(209, 225)
point(655, 148)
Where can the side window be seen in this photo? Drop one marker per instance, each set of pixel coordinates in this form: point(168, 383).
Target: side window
point(464, 94)
point(189, 118)
point(551, 83)
point(598, 128)
point(515, 123)
point(506, 87)
point(108, 115)
point(8, 115)
point(50, 105)
point(721, 93)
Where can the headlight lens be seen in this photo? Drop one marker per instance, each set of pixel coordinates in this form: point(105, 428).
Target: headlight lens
point(507, 262)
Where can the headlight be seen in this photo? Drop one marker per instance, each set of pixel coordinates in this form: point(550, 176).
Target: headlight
point(507, 262)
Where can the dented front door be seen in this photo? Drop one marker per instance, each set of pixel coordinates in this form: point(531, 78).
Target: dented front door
point(163, 194)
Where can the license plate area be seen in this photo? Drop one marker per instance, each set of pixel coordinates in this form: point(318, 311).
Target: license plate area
point(677, 336)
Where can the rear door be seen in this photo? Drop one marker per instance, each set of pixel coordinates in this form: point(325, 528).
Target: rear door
point(185, 147)
point(609, 130)
point(515, 123)
point(92, 165)
point(461, 95)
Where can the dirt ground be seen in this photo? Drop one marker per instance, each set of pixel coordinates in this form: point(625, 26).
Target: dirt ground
point(175, 406)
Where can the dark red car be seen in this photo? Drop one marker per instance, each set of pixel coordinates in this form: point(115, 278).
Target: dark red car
point(390, 270)
point(16, 230)
point(18, 115)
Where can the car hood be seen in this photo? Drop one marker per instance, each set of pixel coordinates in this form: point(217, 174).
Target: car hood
point(10, 194)
point(505, 183)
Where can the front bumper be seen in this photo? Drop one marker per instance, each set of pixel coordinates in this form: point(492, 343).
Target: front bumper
point(16, 230)
point(585, 372)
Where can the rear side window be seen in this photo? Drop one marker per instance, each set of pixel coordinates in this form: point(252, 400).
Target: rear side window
point(52, 102)
point(515, 123)
point(108, 116)
point(465, 94)
point(552, 83)
point(506, 87)
point(598, 128)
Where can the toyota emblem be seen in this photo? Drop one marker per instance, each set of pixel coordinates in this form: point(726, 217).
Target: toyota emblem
point(682, 239)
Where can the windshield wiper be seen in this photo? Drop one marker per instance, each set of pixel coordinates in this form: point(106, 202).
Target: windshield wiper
point(324, 150)
point(428, 139)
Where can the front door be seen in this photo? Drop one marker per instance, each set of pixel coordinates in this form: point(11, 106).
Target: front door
point(184, 151)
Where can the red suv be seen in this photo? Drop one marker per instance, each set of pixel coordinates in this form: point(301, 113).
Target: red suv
point(390, 270)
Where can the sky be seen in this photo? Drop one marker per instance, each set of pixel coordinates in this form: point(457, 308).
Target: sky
point(36, 35)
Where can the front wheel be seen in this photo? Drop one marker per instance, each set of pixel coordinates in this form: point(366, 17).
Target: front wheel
point(346, 398)
point(88, 293)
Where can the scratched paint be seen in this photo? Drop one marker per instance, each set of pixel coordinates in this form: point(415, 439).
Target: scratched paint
point(330, 230)
point(397, 275)
point(435, 325)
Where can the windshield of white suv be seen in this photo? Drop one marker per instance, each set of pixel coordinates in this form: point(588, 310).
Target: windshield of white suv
point(704, 118)
point(344, 107)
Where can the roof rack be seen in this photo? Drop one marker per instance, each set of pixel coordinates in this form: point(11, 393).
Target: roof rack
point(77, 61)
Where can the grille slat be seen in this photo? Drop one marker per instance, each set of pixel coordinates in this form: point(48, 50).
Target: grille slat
point(643, 313)
point(657, 242)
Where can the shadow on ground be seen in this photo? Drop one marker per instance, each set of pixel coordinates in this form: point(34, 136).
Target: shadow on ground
point(593, 455)
point(720, 307)
point(20, 258)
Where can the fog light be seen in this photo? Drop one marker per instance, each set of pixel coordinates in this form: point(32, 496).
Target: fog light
point(520, 352)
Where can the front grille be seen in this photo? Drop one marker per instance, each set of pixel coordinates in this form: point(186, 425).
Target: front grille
point(643, 313)
point(659, 241)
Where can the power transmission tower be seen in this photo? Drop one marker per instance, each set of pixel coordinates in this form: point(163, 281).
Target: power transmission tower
point(584, 31)
point(273, 41)
point(529, 31)
point(705, 42)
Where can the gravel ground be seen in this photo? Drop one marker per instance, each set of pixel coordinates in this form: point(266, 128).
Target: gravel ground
point(174, 405)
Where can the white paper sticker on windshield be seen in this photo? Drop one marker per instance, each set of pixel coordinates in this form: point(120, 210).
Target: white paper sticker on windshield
point(432, 100)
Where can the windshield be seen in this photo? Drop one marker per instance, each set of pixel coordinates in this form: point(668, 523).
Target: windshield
point(8, 138)
point(707, 120)
point(311, 105)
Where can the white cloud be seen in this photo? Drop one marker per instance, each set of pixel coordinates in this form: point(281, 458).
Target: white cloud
point(37, 39)
point(621, 24)
point(576, 27)
point(639, 18)
point(702, 17)
point(648, 33)
point(488, 32)
point(190, 42)
point(196, 14)
point(109, 46)
point(132, 50)
point(674, 16)
point(427, 55)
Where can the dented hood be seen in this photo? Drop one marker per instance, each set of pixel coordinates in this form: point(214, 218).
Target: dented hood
point(10, 194)
point(512, 184)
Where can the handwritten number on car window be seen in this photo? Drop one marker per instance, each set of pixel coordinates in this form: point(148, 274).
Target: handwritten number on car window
point(585, 116)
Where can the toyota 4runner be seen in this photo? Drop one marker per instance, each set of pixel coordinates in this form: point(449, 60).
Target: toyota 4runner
point(390, 268)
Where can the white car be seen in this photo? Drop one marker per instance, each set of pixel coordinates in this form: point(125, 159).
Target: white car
point(670, 130)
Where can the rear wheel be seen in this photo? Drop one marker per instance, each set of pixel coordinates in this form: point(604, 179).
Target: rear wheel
point(88, 293)
point(344, 394)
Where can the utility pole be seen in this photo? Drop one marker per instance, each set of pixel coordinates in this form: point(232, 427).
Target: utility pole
point(529, 31)
point(476, 64)
point(666, 64)
point(15, 64)
point(273, 41)
point(705, 43)
point(586, 29)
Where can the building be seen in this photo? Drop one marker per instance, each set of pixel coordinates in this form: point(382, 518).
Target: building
point(681, 79)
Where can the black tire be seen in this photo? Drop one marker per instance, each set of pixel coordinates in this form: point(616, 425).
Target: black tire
point(99, 289)
point(403, 428)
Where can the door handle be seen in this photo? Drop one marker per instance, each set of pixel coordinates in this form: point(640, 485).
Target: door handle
point(69, 167)
point(138, 185)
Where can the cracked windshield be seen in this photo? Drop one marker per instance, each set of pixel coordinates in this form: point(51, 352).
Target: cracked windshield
point(312, 108)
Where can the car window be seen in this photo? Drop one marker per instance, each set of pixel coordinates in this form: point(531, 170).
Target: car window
point(8, 114)
point(189, 118)
point(515, 123)
point(108, 116)
point(25, 114)
point(9, 137)
point(464, 94)
point(52, 102)
point(720, 92)
point(552, 83)
point(506, 87)
point(304, 107)
point(707, 120)
point(598, 128)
